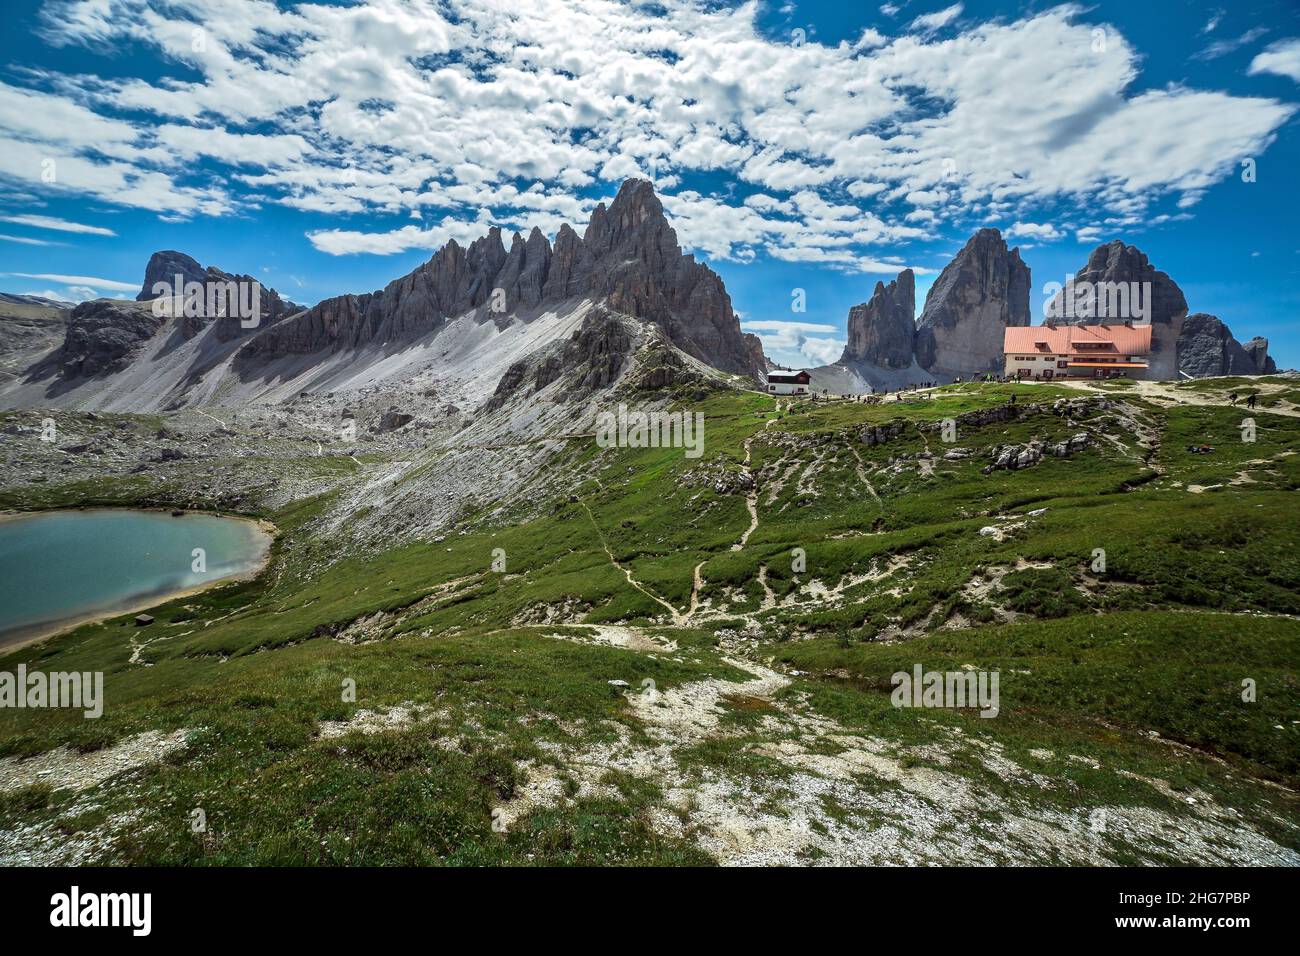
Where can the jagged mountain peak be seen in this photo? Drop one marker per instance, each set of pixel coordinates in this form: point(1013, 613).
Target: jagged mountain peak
point(628, 257)
point(881, 331)
point(164, 266)
point(982, 290)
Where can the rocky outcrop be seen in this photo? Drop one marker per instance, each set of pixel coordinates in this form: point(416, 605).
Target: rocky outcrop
point(629, 259)
point(392, 420)
point(755, 346)
point(663, 369)
point(1206, 348)
point(1114, 263)
point(1113, 266)
point(102, 337)
point(164, 267)
point(874, 435)
point(30, 328)
point(591, 358)
point(524, 271)
point(882, 331)
point(170, 269)
point(1014, 457)
point(981, 292)
point(1257, 349)
point(596, 353)
point(637, 267)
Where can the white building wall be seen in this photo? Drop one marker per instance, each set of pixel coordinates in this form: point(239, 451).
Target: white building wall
point(1036, 364)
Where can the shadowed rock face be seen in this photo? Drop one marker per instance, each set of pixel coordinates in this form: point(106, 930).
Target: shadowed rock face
point(1206, 347)
point(591, 357)
point(1116, 262)
point(167, 266)
point(164, 267)
point(979, 294)
point(103, 336)
point(755, 346)
point(882, 331)
point(1197, 345)
point(628, 258)
point(1257, 349)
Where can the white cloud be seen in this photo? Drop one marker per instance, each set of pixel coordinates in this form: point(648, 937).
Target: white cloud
point(59, 225)
point(796, 343)
point(1032, 230)
point(63, 295)
point(342, 242)
point(412, 106)
point(1282, 58)
point(822, 351)
point(23, 240)
point(95, 283)
point(1223, 47)
point(777, 325)
point(938, 19)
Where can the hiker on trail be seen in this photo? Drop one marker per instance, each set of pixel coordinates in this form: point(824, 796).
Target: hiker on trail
point(1232, 398)
point(1250, 400)
point(1013, 399)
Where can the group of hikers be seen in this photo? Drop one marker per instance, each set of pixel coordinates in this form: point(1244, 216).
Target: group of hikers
point(1250, 399)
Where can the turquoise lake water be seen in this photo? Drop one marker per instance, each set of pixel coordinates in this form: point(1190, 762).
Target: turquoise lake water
point(61, 565)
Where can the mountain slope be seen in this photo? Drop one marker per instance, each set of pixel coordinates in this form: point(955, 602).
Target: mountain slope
point(30, 327)
point(653, 673)
point(455, 324)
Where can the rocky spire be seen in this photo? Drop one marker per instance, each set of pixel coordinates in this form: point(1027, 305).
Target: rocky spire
point(167, 266)
point(1206, 347)
point(164, 267)
point(979, 294)
point(882, 331)
point(1257, 349)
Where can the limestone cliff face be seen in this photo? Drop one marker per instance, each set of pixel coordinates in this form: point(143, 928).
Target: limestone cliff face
point(169, 266)
point(164, 267)
point(1198, 345)
point(103, 336)
point(982, 291)
point(1206, 348)
point(629, 259)
point(591, 358)
point(1257, 349)
point(979, 294)
point(882, 331)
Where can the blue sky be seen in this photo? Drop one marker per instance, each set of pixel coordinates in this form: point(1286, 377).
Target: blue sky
point(329, 148)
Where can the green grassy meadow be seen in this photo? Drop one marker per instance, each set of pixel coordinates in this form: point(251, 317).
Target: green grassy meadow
point(1135, 669)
